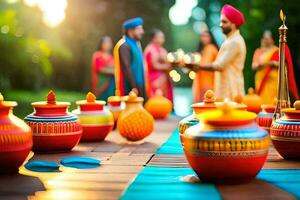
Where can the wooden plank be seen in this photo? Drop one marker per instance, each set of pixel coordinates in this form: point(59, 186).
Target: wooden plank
point(77, 195)
point(256, 189)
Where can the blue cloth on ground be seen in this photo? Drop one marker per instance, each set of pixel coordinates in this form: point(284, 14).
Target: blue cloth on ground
point(286, 179)
point(172, 145)
point(80, 162)
point(42, 166)
point(165, 183)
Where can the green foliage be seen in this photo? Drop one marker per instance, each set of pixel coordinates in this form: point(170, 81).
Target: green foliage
point(25, 48)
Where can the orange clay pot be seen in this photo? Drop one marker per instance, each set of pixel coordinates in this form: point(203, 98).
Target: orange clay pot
point(159, 106)
point(253, 101)
point(135, 123)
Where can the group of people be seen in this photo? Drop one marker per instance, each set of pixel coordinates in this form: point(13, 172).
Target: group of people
point(129, 67)
point(219, 69)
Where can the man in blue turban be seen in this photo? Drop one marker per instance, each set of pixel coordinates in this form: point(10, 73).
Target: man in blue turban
point(128, 57)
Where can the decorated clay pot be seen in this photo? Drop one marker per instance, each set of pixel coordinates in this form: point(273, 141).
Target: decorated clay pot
point(253, 101)
point(285, 133)
point(227, 146)
point(96, 121)
point(209, 103)
point(265, 117)
point(159, 106)
point(15, 138)
point(54, 128)
point(135, 123)
point(116, 106)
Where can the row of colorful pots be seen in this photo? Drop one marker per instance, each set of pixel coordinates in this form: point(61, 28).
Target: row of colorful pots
point(225, 143)
point(51, 128)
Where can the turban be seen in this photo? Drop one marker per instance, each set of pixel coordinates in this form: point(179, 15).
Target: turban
point(132, 23)
point(233, 14)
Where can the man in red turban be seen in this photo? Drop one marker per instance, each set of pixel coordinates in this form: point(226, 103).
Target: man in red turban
point(229, 64)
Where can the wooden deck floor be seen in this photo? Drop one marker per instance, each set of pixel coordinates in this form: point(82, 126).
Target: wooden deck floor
point(120, 162)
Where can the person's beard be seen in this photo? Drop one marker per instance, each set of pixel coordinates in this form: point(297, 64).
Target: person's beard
point(226, 30)
point(138, 37)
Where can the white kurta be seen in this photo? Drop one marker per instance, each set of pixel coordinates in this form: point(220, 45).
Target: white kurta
point(229, 81)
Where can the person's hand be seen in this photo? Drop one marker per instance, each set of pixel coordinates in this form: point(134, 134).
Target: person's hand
point(274, 63)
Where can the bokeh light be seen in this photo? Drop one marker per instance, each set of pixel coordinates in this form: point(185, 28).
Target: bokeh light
point(181, 11)
point(192, 75)
point(53, 10)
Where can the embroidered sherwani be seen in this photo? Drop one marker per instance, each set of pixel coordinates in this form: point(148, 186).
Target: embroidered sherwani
point(229, 80)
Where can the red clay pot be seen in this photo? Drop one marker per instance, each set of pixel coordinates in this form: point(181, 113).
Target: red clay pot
point(15, 138)
point(54, 128)
point(97, 122)
point(226, 146)
point(285, 133)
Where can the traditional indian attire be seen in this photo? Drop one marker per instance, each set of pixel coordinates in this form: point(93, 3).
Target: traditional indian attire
point(158, 79)
point(129, 63)
point(204, 79)
point(229, 80)
point(103, 85)
point(266, 79)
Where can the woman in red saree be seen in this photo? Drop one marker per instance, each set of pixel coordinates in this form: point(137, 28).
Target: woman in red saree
point(158, 66)
point(103, 83)
point(204, 80)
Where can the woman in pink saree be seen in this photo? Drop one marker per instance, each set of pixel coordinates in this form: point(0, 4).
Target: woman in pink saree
point(157, 66)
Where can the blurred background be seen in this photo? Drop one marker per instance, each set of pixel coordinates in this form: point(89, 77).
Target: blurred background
point(49, 43)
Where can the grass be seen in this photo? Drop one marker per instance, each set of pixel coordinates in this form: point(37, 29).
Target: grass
point(24, 98)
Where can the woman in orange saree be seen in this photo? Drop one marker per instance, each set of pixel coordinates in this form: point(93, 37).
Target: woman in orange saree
point(265, 61)
point(266, 67)
point(204, 79)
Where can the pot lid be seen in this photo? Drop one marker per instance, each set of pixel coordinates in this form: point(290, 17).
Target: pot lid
point(293, 112)
point(51, 102)
point(208, 103)
point(133, 97)
point(114, 99)
point(269, 108)
point(90, 100)
point(251, 96)
point(227, 115)
point(6, 103)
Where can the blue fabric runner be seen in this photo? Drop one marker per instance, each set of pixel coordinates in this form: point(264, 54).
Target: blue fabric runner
point(165, 182)
point(172, 145)
point(286, 179)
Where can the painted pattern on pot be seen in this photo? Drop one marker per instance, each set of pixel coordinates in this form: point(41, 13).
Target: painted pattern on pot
point(265, 117)
point(227, 140)
point(97, 122)
point(54, 128)
point(15, 138)
point(285, 133)
point(135, 123)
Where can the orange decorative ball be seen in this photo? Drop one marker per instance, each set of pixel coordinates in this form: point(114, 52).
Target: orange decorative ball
point(135, 123)
point(159, 106)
